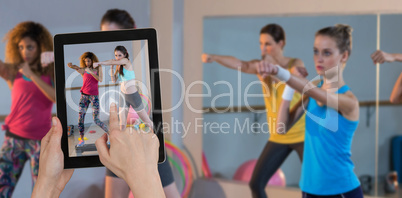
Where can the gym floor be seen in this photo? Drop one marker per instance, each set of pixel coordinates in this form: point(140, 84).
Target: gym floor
point(91, 138)
point(222, 188)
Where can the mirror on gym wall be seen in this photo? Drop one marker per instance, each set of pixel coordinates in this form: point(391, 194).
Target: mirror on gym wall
point(389, 138)
point(241, 136)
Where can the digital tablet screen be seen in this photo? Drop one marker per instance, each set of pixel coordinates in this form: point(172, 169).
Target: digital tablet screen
point(96, 69)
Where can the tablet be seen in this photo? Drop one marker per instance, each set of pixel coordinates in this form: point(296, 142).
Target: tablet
point(84, 92)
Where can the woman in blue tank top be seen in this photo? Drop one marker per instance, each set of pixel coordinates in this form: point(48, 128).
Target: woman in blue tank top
point(332, 116)
point(129, 93)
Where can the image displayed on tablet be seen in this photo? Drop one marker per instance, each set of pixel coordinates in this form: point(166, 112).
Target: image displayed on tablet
point(96, 76)
point(110, 67)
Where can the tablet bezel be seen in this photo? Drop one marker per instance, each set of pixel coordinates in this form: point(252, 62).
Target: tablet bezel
point(60, 40)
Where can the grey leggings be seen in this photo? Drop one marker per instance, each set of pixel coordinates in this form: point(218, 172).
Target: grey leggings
point(271, 158)
point(133, 99)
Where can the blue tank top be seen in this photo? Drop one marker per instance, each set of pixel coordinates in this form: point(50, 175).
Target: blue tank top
point(128, 75)
point(327, 168)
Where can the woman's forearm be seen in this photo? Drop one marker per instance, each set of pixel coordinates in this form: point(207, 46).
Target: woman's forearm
point(100, 74)
point(75, 67)
point(113, 75)
point(396, 95)
point(114, 62)
point(45, 88)
point(282, 122)
point(397, 57)
point(94, 75)
point(43, 190)
point(146, 183)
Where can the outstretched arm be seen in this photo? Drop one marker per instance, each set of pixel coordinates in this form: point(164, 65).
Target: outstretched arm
point(113, 74)
point(396, 95)
point(346, 103)
point(76, 68)
point(381, 57)
point(100, 74)
point(232, 62)
point(6, 72)
point(112, 62)
point(286, 116)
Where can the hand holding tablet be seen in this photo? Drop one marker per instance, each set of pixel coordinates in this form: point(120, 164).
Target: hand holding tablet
point(77, 92)
point(133, 156)
point(52, 177)
point(141, 145)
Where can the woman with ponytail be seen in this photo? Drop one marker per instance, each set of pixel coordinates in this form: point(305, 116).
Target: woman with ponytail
point(332, 117)
point(130, 96)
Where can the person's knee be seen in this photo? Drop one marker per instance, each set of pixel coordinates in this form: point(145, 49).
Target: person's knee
point(253, 185)
point(256, 186)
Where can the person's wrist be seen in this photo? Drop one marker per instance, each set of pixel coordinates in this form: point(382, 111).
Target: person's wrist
point(45, 189)
point(145, 174)
point(275, 70)
point(393, 57)
point(288, 93)
point(281, 73)
point(139, 184)
point(211, 57)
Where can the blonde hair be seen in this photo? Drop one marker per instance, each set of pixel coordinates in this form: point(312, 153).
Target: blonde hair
point(34, 31)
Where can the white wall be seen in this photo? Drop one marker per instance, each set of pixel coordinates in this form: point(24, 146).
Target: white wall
point(63, 17)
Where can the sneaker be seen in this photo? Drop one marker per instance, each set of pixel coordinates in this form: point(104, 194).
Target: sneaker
point(81, 143)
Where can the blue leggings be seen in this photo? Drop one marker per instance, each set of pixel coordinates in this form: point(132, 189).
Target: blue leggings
point(355, 193)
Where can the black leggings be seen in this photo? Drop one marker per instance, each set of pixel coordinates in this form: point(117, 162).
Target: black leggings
point(270, 160)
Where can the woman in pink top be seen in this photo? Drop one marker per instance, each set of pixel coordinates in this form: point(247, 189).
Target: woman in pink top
point(89, 91)
point(32, 98)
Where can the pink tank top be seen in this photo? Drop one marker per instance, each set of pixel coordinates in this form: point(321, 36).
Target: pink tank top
point(90, 85)
point(31, 110)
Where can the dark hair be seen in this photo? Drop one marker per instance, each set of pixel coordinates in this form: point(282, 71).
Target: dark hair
point(276, 31)
point(123, 50)
point(120, 17)
point(342, 34)
point(91, 56)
